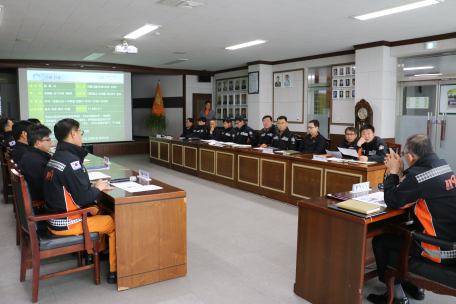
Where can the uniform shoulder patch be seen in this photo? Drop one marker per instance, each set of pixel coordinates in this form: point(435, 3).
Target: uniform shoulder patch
point(76, 165)
point(250, 132)
point(380, 147)
point(293, 139)
point(12, 143)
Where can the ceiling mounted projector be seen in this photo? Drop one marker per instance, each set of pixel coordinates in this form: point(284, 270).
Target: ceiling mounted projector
point(124, 48)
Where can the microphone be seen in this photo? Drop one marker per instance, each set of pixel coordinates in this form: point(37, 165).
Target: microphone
point(122, 180)
point(382, 185)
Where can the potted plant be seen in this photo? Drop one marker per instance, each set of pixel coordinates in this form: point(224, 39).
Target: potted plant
point(156, 124)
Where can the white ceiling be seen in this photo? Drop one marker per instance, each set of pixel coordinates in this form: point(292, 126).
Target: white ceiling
point(73, 29)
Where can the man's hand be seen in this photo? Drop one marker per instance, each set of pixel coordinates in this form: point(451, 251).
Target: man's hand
point(363, 158)
point(100, 185)
point(107, 189)
point(394, 163)
point(212, 130)
point(361, 141)
point(264, 146)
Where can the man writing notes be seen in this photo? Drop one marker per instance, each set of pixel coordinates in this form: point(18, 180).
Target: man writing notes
point(268, 132)
point(67, 187)
point(245, 135)
point(229, 133)
point(20, 130)
point(373, 148)
point(314, 142)
point(188, 128)
point(428, 188)
point(214, 132)
point(284, 139)
point(200, 131)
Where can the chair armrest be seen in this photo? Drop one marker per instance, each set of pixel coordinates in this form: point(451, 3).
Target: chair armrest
point(45, 217)
point(429, 239)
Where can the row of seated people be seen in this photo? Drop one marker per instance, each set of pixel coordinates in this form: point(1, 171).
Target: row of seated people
point(369, 147)
point(61, 181)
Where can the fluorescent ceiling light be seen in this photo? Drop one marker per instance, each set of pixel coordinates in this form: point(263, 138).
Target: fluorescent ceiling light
point(147, 28)
point(243, 45)
point(1, 13)
point(436, 74)
point(174, 61)
point(419, 68)
point(398, 9)
point(93, 56)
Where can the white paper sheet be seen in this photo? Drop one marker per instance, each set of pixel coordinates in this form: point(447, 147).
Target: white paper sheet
point(335, 159)
point(143, 188)
point(97, 175)
point(377, 198)
point(124, 185)
point(361, 162)
point(349, 152)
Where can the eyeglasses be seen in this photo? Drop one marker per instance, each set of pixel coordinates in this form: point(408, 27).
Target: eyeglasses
point(310, 127)
point(403, 153)
point(350, 134)
point(46, 140)
point(82, 132)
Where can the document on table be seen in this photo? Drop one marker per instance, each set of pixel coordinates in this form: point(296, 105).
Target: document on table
point(361, 162)
point(335, 159)
point(349, 152)
point(133, 187)
point(377, 198)
point(98, 175)
point(334, 154)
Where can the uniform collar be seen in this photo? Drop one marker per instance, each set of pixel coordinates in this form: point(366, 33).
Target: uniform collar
point(7, 134)
point(228, 129)
point(40, 153)
point(19, 144)
point(318, 133)
point(80, 152)
point(243, 127)
point(201, 127)
point(430, 157)
point(284, 131)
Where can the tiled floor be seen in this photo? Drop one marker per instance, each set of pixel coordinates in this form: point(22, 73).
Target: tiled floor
point(241, 249)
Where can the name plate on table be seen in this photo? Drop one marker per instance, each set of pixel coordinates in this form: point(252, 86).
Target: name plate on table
point(169, 137)
point(268, 150)
point(144, 175)
point(320, 158)
point(361, 187)
point(159, 136)
point(106, 160)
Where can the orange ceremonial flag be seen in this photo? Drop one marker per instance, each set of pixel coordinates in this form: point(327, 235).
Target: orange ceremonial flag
point(158, 108)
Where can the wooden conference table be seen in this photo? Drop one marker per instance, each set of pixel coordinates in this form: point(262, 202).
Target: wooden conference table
point(284, 178)
point(151, 229)
point(333, 249)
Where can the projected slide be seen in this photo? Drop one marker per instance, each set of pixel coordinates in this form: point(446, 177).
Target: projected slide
point(95, 99)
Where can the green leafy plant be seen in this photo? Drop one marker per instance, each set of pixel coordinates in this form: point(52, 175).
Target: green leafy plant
point(156, 124)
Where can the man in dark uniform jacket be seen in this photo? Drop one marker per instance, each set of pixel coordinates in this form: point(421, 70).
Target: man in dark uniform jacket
point(284, 139)
point(373, 148)
point(214, 132)
point(200, 131)
point(268, 132)
point(6, 127)
point(35, 160)
point(229, 133)
point(67, 187)
point(20, 130)
point(351, 139)
point(189, 128)
point(245, 135)
point(314, 142)
point(428, 188)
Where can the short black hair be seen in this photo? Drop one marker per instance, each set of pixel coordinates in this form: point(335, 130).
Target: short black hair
point(202, 119)
point(3, 123)
point(64, 127)
point(208, 101)
point(282, 117)
point(213, 119)
point(14, 120)
point(34, 120)
point(367, 127)
point(419, 145)
point(190, 119)
point(37, 132)
point(267, 116)
point(315, 122)
point(239, 118)
point(20, 127)
point(227, 120)
point(353, 129)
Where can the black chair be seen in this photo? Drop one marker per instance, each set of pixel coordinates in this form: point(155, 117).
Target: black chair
point(328, 143)
point(41, 243)
point(438, 278)
point(396, 147)
point(5, 172)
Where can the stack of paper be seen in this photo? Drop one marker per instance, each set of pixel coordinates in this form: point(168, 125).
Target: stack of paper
point(133, 187)
point(98, 175)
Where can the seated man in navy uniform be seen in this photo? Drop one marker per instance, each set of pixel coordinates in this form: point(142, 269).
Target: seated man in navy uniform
point(373, 148)
point(229, 133)
point(314, 142)
point(201, 130)
point(214, 132)
point(351, 139)
point(245, 135)
point(189, 128)
point(428, 188)
point(268, 132)
point(20, 130)
point(6, 127)
point(284, 139)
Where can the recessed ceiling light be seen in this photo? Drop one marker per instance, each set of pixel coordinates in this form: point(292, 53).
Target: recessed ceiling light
point(419, 68)
point(24, 40)
point(398, 9)
point(243, 45)
point(432, 74)
point(93, 56)
point(146, 28)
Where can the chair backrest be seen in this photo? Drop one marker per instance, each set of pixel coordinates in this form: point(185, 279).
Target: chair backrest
point(328, 143)
point(3, 160)
point(396, 147)
point(23, 202)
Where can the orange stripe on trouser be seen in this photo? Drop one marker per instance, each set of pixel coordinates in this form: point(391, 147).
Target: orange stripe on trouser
point(103, 224)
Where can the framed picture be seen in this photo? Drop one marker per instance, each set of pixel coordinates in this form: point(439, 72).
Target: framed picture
point(287, 81)
point(237, 99)
point(353, 93)
point(244, 112)
point(219, 100)
point(341, 83)
point(254, 82)
point(335, 71)
point(230, 85)
point(219, 86)
point(347, 94)
point(347, 82)
point(335, 94)
point(278, 80)
point(341, 71)
point(353, 82)
point(335, 83)
point(243, 82)
point(341, 94)
point(353, 70)
point(237, 85)
point(225, 100)
point(237, 111)
point(225, 113)
point(219, 113)
point(230, 100)
point(231, 112)
point(347, 70)
point(243, 99)
point(225, 86)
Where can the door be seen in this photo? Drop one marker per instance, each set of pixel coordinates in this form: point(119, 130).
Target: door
point(199, 102)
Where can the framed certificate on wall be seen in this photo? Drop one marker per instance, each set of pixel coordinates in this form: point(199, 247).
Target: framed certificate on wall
point(254, 82)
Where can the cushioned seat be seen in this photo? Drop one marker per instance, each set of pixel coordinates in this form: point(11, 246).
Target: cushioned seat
point(442, 274)
point(48, 241)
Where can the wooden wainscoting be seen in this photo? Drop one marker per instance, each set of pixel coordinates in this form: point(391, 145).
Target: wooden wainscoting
point(164, 152)
point(120, 148)
point(225, 165)
point(208, 165)
point(306, 181)
point(249, 170)
point(177, 155)
point(277, 181)
point(338, 181)
point(190, 158)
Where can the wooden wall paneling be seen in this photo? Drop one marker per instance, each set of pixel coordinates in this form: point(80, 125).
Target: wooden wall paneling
point(154, 150)
point(340, 181)
point(177, 155)
point(306, 181)
point(225, 165)
point(190, 158)
point(276, 181)
point(249, 170)
point(164, 152)
point(207, 161)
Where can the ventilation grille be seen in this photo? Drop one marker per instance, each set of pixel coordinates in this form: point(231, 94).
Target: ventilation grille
point(174, 61)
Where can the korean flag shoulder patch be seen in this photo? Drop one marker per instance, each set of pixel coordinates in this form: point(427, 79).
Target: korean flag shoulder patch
point(76, 165)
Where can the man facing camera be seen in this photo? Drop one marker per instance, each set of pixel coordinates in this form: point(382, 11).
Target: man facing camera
point(214, 132)
point(268, 131)
point(284, 139)
point(314, 142)
point(200, 131)
point(67, 187)
point(373, 148)
point(351, 140)
point(20, 130)
point(189, 128)
point(229, 133)
point(245, 135)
